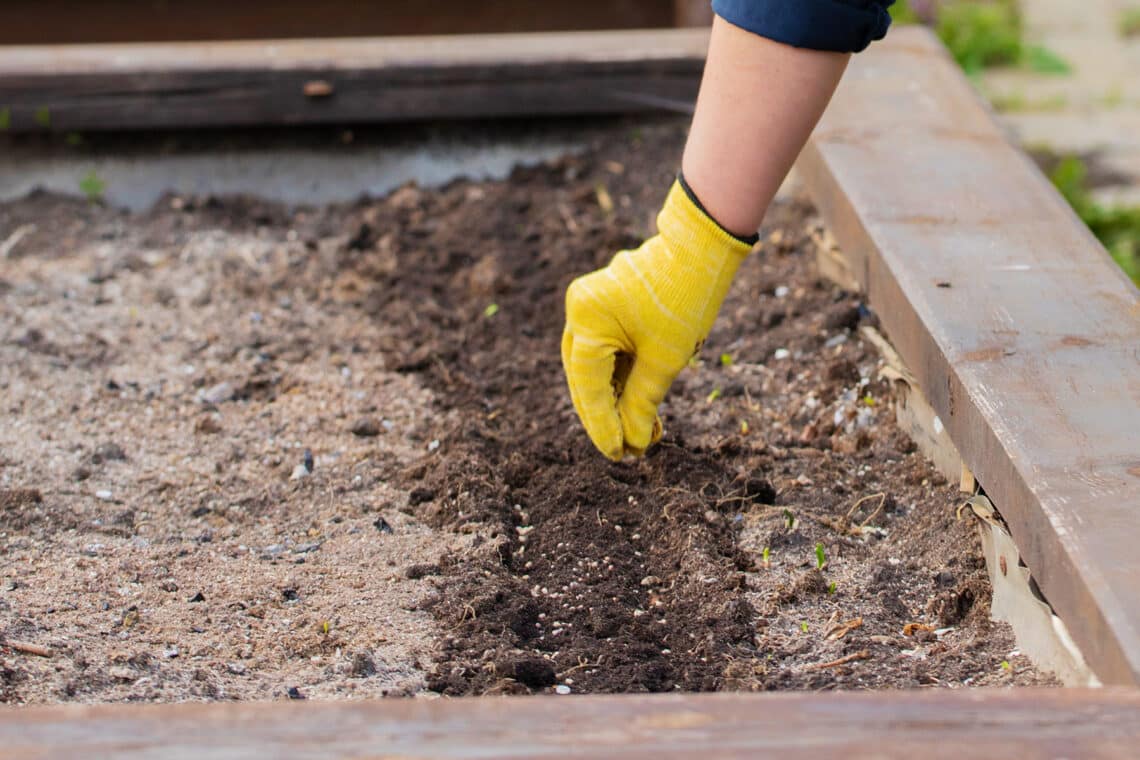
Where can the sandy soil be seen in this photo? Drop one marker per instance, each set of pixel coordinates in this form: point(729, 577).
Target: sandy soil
point(167, 376)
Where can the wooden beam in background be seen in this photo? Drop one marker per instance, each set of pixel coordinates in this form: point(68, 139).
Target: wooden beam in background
point(145, 86)
point(38, 22)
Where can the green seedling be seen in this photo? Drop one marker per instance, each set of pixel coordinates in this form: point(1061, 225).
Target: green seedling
point(789, 519)
point(820, 556)
point(804, 626)
point(92, 186)
point(1005, 665)
point(43, 117)
point(726, 360)
point(491, 310)
point(765, 557)
point(5, 119)
point(831, 588)
point(713, 396)
point(73, 139)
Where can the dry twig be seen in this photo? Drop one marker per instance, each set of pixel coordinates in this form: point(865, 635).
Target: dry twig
point(27, 647)
point(843, 629)
point(881, 496)
point(862, 654)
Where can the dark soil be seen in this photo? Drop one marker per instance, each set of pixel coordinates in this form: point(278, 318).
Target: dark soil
point(697, 568)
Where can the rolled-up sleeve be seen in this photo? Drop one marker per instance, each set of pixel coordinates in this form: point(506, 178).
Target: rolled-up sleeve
point(844, 26)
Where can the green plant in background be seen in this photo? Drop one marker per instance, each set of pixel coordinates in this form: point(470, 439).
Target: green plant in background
point(903, 13)
point(1016, 102)
point(1045, 61)
point(820, 556)
point(92, 186)
point(981, 34)
point(1117, 227)
point(43, 117)
point(1129, 22)
point(5, 119)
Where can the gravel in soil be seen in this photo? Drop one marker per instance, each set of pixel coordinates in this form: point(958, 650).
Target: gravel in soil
point(259, 452)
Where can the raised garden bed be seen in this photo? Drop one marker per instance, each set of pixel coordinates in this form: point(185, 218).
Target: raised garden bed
point(165, 374)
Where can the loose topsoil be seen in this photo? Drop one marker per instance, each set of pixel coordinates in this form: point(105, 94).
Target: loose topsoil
point(257, 452)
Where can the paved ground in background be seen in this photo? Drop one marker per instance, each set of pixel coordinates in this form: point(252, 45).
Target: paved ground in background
point(1093, 110)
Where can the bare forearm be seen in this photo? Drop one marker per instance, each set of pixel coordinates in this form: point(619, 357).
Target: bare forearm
point(758, 103)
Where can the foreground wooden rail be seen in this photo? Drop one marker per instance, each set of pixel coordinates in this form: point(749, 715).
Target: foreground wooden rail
point(1021, 331)
point(195, 84)
point(931, 724)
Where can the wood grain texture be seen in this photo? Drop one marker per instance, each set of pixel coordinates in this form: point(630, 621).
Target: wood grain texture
point(39, 21)
point(136, 86)
point(1022, 332)
point(894, 724)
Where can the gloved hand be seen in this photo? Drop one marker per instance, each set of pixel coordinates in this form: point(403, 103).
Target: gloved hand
point(633, 325)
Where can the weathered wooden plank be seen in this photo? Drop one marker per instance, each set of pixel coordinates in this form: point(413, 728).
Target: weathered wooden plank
point(81, 21)
point(347, 80)
point(1023, 334)
point(905, 725)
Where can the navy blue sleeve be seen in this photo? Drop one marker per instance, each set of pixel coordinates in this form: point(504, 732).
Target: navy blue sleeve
point(843, 26)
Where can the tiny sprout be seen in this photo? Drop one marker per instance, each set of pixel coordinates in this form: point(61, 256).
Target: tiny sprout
point(92, 186)
point(726, 360)
point(491, 310)
point(869, 400)
point(820, 556)
point(765, 556)
point(713, 396)
point(5, 119)
point(744, 427)
point(831, 588)
point(789, 519)
point(1005, 665)
point(325, 627)
point(43, 117)
point(804, 626)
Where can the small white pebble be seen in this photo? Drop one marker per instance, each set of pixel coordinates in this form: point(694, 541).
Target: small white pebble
point(103, 495)
point(782, 291)
point(561, 689)
point(433, 445)
point(781, 353)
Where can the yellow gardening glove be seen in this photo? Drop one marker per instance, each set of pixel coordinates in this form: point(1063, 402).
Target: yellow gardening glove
point(633, 325)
